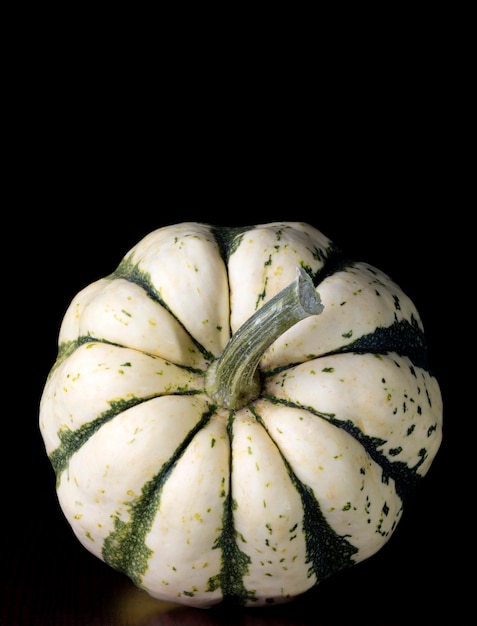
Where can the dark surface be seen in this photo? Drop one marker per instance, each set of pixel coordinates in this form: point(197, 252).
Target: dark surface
point(53, 581)
point(48, 579)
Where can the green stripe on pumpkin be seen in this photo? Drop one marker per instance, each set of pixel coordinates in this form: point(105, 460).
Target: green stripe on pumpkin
point(131, 271)
point(327, 551)
point(125, 548)
point(73, 440)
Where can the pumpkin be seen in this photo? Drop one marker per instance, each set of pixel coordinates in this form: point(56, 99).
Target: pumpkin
point(236, 414)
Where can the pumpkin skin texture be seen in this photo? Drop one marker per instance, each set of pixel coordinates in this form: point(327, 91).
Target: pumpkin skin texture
point(198, 501)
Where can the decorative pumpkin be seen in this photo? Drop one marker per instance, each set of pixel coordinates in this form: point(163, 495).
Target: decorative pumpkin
point(238, 413)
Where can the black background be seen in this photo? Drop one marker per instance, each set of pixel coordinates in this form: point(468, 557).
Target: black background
point(372, 166)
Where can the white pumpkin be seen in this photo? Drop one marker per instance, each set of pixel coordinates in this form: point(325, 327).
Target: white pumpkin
point(238, 413)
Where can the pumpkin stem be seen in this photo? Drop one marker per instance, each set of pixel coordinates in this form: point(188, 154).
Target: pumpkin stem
point(233, 380)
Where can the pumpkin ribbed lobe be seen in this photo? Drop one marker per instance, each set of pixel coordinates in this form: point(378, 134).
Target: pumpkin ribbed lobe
point(233, 380)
